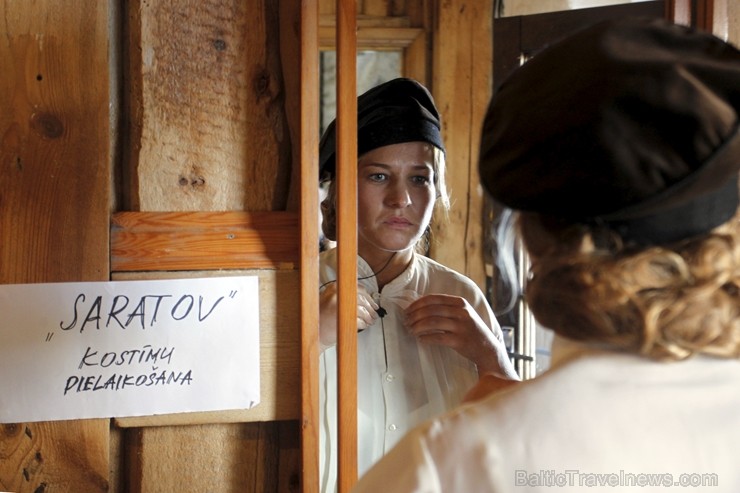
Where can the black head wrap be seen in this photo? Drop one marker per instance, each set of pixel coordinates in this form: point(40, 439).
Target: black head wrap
point(400, 110)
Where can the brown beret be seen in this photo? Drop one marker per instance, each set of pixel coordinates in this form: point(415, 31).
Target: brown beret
point(631, 123)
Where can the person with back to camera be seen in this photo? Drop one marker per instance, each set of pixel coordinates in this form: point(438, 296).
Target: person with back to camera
point(619, 148)
point(426, 331)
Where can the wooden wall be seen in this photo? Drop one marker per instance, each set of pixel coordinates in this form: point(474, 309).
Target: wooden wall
point(134, 136)
point(130, 130)
point(209, 127)
point(462, 87)
point(184, 114)
point(55, 192)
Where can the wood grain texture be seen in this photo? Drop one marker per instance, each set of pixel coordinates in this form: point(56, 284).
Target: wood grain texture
point(172, 241)
point(481, 83)
point(462, 84)
point(208, 129)
point(54, 144)
point(309, 266)
point(370, 7)
point(208, 132)
point(55, 169)
point(346, 179)
point(228, 458)
point(374, 38)
point(54, 456)
point(280, 364)
point(294, 47)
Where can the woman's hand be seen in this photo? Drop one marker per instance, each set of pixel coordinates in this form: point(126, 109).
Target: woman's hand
point(366, 313)
point(451, 321)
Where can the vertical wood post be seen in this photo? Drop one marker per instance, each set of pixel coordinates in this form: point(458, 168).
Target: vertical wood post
point(309, 192)
point(462, 87)
point(55, 174)
point(347, 241)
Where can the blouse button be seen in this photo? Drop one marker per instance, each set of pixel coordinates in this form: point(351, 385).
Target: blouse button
point(389, 378)
point(392, 427)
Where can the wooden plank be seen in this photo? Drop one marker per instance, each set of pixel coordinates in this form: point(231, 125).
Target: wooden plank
point(207, 126)
point(377, 7)
point(374, 38)
point(327, 8)
point(170, 241)
point(280, 364)
point(292, 472)
point(309, 267)
point(210, 130)
point(228, 458)
point(291, 34)
point(37, 457)
point(704, 15)
point(456, 51)
point(396, 20)
point(481, 90)
point(55, 168)
point(346, 176)
point(415, 57)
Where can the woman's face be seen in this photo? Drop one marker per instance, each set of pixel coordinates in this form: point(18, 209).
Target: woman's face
point(395, 194)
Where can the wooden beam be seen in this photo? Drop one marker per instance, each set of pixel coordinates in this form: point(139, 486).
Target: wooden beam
point(309, 271)
point(207, 126)
point(55, 175)
point(346, 153)
point(329, 20)
point(173, 241)
point(374, 38)
point(234, 458)
point(704, 15)
point(462, 87)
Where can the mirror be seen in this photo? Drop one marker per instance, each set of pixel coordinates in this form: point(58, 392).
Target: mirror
point(373, 68)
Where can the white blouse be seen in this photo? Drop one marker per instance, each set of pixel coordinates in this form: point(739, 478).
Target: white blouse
point(400, 382)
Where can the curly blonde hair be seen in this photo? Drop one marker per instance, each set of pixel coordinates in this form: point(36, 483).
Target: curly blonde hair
point(663, 302)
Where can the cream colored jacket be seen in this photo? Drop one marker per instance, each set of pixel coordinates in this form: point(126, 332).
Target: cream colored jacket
point(597, 421)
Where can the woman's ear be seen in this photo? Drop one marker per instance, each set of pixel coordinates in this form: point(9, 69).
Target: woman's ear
point(329, 214)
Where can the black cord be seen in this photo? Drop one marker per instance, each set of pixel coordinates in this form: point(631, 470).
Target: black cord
point(366, 277)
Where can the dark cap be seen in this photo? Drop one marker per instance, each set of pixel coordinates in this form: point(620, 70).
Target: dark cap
point(400, 110)
point(630, 123)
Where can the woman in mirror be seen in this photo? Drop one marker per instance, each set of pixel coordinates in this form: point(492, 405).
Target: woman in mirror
point(426, 332)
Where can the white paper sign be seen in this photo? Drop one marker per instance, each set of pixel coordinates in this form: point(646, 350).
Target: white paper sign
point(128, 348)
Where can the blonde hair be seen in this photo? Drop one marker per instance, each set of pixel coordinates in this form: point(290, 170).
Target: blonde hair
point(442, 202)
point(664, 302)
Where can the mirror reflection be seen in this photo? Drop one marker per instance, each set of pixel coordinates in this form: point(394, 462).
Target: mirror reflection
point(373, 68)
